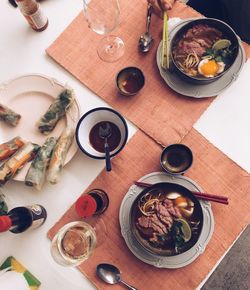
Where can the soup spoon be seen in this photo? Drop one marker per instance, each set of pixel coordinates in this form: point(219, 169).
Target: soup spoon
point(105, 133)
point(111, 275)
point(146, 39)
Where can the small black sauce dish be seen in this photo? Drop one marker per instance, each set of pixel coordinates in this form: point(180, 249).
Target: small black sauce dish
point(176, 158)
point(130, 81)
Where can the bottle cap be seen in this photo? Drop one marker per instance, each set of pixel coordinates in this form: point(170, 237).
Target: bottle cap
point(86, 206)
point(5, 223)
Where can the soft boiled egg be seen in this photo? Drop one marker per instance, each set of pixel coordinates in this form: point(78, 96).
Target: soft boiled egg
point(210, 68)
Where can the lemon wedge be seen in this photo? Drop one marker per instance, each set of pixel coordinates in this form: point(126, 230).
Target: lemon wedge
point(221, 44)
point(185, 229)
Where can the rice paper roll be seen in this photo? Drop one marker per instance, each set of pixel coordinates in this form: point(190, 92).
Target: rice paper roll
point(59, 155)
point(56, 111)
point(10, 147)
point(16, 162)
point(9, 116)
point(36, 174)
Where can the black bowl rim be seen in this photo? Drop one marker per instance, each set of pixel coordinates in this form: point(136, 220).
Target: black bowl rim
point(187, 150)
point(144, 191)
point(197, 80)
point(99, 109)
point(127, 69)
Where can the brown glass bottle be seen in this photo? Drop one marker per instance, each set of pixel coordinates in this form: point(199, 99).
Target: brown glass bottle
point(19, 219)
point(31, 10)
point(94, 202)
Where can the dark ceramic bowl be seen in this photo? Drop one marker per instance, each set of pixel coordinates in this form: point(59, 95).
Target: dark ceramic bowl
point(166, 188)
point(176, 158)
point(130, 81)
point(228, 33)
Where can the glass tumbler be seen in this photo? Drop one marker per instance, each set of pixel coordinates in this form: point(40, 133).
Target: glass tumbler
point(75, 242)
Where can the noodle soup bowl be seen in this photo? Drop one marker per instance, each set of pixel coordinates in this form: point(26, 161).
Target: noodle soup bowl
point(88, 136)
point(157, 225)
point(181, 31)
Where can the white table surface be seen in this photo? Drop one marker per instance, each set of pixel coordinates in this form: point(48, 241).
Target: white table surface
point(22, 51)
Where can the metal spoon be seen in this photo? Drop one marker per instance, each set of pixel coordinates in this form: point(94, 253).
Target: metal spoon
point(146, 39)
point(105, 133)
point(111, 275)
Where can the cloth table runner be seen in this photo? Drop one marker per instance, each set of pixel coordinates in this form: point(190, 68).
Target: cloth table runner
point(156, 106)
point(211, 169)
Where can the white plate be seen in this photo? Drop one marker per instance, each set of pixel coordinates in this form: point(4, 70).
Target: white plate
point(173, 262)
point(200, 91)
point(30, 96)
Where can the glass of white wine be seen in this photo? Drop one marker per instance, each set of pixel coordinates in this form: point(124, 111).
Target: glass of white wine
point(103, 17)
point(75, 242)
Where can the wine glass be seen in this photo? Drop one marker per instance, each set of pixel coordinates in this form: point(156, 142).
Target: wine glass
point(75, 242)
point(103, 17)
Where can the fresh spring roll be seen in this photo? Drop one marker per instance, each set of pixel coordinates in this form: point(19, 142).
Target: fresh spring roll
point(56, 111)
point(36, 173)
point(16, 162)
point(59, 155)
point(10, 147)
point(9, 116)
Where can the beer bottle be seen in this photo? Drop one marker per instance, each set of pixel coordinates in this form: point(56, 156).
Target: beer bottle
point(19, 219)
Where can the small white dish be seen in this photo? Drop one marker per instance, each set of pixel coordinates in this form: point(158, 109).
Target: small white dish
point(89, 120)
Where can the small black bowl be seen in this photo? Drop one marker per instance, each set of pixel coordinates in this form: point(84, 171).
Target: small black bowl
point(176, 158)
point(130, 81)
point(227, 32)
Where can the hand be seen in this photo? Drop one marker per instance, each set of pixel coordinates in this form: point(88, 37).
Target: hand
point(161, 5)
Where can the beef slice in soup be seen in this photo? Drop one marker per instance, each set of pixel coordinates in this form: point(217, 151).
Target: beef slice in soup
point(197, 39)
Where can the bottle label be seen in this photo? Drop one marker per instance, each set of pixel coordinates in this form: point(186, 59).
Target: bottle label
point(39, 215)
point(37, 20)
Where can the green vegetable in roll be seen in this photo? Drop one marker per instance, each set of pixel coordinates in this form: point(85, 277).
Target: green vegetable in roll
point(9, 116)
point(36, 174)
point(56, 111)
point(59, 155)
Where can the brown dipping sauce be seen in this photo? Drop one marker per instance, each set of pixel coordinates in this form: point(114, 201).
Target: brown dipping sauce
point(98, 143)
point(131, 84)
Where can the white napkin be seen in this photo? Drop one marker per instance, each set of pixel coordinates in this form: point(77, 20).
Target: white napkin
point(226, 123)
point(12, 280)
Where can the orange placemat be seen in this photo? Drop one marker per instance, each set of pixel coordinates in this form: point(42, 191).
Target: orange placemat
point(211, 169)
point(157, 106)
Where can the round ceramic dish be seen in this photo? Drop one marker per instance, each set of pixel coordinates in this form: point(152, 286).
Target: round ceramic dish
point(172, 262)
point(205, 90)
point(92, 117)
point(227, 32)
point(130, 81)
point(30, 96)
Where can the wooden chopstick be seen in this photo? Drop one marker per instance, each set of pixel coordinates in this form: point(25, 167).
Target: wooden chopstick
point(200, 195)
point(165, 48)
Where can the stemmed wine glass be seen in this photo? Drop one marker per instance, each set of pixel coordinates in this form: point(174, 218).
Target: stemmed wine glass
point(103, 17)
